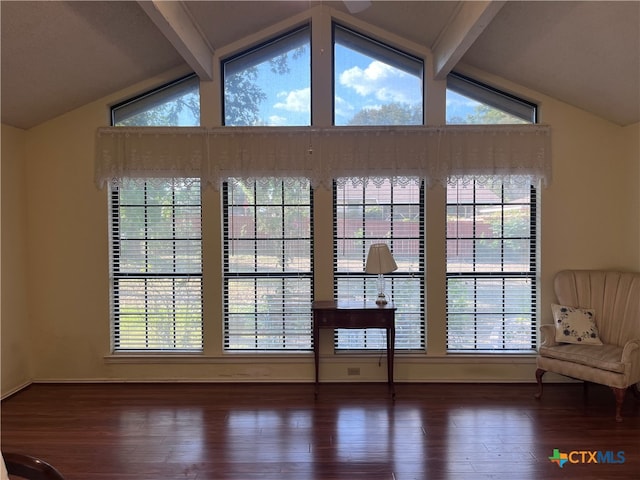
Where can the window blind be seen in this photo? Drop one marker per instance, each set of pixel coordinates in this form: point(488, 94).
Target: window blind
point(267, 265)
point(156, 265)
point(491, 267)
point(390, 212)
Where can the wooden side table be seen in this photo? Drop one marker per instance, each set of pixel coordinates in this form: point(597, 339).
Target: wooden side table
point(334, 314)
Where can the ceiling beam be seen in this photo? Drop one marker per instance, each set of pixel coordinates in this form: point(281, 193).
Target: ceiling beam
point(176, 23)
point(465, 26)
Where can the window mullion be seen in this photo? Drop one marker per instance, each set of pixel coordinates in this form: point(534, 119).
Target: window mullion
point(146, 265)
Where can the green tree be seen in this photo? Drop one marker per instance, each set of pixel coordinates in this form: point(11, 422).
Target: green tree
point(487, 115)
point(389, 114)
point(243, 94)
point(242, 98)
point(181, 111)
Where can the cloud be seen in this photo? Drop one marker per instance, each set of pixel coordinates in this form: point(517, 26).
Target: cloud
point(277, 120)
point(384, 82)
point(342, 108)
point(456, 100)
point(295, 100)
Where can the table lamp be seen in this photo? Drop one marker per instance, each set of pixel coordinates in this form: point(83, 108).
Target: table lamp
point(380, 261)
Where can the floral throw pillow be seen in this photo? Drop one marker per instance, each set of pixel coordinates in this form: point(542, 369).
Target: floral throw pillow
point(575, 325)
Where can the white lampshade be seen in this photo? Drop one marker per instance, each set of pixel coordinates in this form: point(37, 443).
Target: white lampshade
point(380, 259)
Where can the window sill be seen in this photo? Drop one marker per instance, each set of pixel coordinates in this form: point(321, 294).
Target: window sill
point(198, 358)
point(307, 357)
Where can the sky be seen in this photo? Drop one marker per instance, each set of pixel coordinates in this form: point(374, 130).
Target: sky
point(360, 82)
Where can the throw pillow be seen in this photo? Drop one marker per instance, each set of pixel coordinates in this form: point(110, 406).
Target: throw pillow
point(575, 325)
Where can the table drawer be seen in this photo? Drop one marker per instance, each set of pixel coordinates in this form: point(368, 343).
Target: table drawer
point(354, 319)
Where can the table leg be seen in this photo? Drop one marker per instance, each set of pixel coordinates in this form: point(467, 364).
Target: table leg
point(391, 340)
point(316, 354)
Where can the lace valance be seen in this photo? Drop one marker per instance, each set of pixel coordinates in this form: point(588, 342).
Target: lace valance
point(435, 154)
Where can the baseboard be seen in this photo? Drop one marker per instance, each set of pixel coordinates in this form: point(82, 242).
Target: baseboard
point(165, 380)
point(61, 381)
point(17, 389)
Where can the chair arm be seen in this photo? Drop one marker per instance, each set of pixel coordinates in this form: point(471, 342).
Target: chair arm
point(631, 358)
point(548, 334)
point(630, 347)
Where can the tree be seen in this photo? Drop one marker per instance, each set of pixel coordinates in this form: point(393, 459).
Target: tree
point(389, 114)
point(486, 115)
point(243, 94)
point(242, 98)
point(182, 110)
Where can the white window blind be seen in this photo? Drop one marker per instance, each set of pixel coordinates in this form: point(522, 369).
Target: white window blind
point(156, 265)
point(491, 267)
point(267, 265)
point(390, 212)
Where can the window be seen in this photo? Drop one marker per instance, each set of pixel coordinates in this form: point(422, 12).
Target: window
point(491, 249)
point(156, 238)
point(267, 223)
point(268, 250)
point(472, 102)
point(174, 104)
point(389, 212)
point(374, 84)
point(156, 265)
point(270, 84)
point(491, 267)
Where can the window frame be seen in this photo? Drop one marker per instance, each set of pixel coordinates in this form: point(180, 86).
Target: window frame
point(139, 104)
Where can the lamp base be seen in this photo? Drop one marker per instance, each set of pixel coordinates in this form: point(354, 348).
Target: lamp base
point(381, 300)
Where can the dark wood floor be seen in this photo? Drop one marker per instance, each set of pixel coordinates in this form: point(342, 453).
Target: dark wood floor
point(275, 431)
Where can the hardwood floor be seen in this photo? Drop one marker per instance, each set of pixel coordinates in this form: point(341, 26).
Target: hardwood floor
point(352, 431)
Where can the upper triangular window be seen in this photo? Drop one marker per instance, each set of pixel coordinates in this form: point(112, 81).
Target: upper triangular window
point(374, 84)
point(472, 102)
point(176, 104)
point(270, 85)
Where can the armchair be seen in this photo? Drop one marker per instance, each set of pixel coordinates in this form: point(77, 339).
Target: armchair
point(609, 353)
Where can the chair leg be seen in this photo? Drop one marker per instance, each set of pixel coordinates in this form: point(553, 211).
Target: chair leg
point(619, 394)
point(635, 391)
point(539, 373)
point(585, 390)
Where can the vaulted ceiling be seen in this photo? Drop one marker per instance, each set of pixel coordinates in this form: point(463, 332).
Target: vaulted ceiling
point(57, 56)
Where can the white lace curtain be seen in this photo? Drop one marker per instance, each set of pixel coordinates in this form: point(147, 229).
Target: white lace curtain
point(436, 154)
